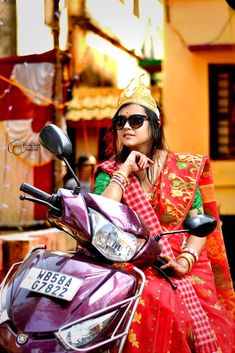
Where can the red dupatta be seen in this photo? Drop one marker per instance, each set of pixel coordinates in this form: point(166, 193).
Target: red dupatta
point(177, 194)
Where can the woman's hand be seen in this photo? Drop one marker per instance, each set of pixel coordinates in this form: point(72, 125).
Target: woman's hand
point(180, 268)
point(136, 162)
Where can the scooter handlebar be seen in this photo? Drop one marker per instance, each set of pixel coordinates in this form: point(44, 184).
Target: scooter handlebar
point(35, 192)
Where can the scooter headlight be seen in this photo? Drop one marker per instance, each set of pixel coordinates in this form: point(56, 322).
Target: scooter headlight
point(112, 242)
point(80, 334)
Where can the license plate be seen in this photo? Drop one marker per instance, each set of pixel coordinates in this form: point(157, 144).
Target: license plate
point(51, 283)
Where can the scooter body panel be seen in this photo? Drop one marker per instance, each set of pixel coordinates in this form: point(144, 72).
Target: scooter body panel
point(117, 213)
point(102, 285)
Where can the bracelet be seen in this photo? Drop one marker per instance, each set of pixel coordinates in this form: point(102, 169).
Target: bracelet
point(190, 264)
point(192, 252)
point(119, 178)
point(189, 259)
point(120, 174)
point(119, 182)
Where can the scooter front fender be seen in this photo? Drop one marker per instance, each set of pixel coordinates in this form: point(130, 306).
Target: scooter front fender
point(39, 316)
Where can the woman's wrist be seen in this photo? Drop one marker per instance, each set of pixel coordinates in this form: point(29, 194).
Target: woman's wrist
point(114, 191)
point(184, 266)
point(125, 170)
point(186, 260)
point(119, 181)
point(191, 251)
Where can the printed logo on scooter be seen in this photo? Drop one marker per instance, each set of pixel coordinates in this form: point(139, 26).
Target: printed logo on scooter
point(21, 338)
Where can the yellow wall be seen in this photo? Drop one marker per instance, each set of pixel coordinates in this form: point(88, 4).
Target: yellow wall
point(185, 83)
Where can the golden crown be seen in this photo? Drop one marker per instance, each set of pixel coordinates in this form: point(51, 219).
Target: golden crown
point(137, 92)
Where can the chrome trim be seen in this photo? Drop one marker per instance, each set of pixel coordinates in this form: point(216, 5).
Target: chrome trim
point(123, 335)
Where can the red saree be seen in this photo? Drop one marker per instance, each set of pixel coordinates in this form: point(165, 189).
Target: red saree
point(198, 316)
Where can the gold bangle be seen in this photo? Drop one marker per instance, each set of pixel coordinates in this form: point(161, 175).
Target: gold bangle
point(189, 256)
point(189, 263)
point(189, 259)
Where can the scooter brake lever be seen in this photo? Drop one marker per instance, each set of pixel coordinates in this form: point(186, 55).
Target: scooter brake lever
point(164, 272)
point(41, 202)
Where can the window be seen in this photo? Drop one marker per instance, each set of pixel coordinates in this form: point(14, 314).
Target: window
point(222, 111)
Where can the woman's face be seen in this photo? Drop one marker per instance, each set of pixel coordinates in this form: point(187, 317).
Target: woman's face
point(138, 139)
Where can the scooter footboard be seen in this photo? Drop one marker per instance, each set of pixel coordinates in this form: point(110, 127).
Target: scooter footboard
point(108, 313)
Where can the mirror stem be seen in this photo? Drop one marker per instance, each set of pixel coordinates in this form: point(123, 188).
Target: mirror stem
point(72, 171)
point(158, 236)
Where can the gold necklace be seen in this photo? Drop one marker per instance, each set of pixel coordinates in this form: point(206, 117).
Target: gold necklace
point(156, 167)
point(159, 159)
point(150, 171)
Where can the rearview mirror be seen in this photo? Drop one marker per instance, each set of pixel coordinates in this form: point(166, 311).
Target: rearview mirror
point(56, 141)
point(200, 225)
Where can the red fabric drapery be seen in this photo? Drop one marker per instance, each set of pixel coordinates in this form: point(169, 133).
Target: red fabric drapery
point(15, 105)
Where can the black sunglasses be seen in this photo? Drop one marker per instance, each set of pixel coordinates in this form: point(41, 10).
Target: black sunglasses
point(135, 121)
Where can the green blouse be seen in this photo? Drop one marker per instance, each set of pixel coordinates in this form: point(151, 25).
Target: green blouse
point(103, 179)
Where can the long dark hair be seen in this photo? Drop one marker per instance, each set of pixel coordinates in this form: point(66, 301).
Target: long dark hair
point(159, 141)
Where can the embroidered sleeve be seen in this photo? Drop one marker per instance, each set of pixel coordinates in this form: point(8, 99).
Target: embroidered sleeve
point(197, 203)
point(101, 182)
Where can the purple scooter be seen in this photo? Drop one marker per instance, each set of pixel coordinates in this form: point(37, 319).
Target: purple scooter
point(78, 301)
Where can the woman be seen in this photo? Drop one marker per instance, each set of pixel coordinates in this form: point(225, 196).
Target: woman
point(164, 188)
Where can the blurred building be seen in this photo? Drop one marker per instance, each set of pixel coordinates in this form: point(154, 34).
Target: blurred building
point(199, 81)
point(66, 62)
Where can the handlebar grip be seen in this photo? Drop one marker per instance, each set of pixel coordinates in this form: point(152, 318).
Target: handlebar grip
point(35, 192)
